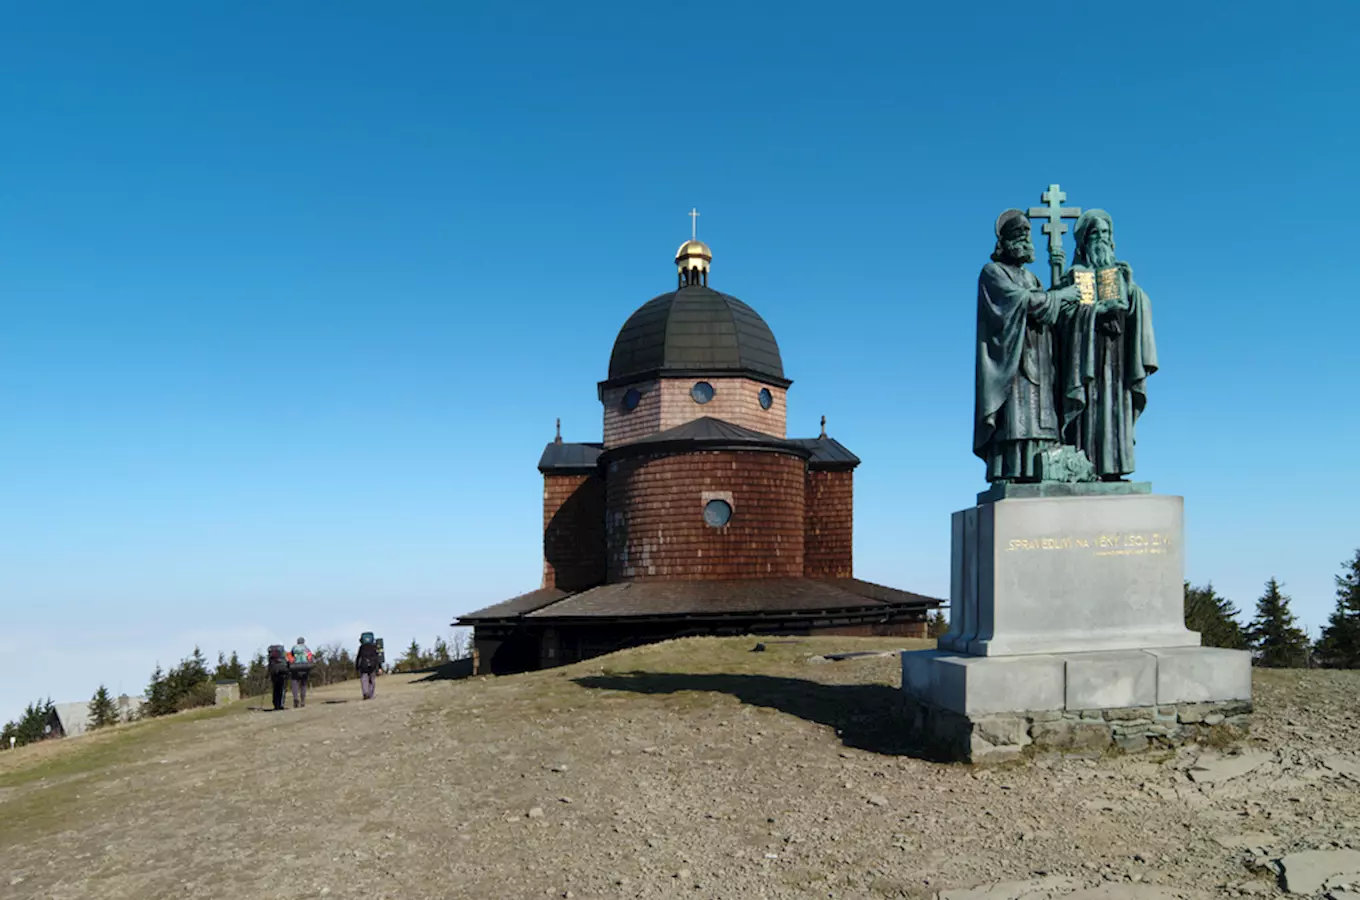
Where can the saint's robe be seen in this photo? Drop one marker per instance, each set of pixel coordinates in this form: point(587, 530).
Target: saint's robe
point(1105, 359)
point(1015, 415)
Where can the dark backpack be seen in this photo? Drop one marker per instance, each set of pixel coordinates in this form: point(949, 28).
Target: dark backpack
point(366, 660)
point(278, 661)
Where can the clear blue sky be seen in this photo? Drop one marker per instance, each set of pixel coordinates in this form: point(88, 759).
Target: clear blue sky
point(292, 293)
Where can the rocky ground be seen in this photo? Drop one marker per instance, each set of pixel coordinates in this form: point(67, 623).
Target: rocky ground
point(694, 768)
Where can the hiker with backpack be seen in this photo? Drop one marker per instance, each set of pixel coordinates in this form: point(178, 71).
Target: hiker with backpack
point(368, 660)
point(300, 662)
point(278, 672)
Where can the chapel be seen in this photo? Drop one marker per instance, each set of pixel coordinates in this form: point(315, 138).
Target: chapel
point(696, 514)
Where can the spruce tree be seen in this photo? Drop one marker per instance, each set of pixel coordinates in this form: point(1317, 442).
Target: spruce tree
point(160, 699)
point(256, 681)
point(103, 712)
point(1214, 617)
point(937, 624)
point(189, 684)
point(344, 665)
point(1274, 634)
point(32, 725)
point(1340, 642)
point(412, 660)
point(194, 670)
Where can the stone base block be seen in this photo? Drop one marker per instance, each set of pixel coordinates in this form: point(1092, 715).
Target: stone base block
point(1105, 680)
point(1199, 674)
point(992, 707)
point(984, 684)
point(977, 685)
point(1003, 737)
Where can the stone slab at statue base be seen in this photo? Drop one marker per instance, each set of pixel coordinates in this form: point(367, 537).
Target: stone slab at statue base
point(991, 708)
point(1067, 630)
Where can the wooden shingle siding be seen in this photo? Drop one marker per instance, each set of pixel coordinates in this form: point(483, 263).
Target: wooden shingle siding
point(655, 526)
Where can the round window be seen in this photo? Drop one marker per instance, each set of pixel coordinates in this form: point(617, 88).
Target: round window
point(717, 513)
point(632, 399)
point(766, 398)
point(702, 392)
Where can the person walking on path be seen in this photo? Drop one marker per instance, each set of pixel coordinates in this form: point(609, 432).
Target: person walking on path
point(367, 661)
point(278, 673)
point(299, 667)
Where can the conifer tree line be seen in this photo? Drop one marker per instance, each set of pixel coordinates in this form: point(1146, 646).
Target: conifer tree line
point(192, 684)
point(1273, 634)
point(30, 727)
point(414, 659)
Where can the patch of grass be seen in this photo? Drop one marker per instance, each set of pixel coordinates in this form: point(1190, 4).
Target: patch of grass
point(68, 758)
point(42, 785)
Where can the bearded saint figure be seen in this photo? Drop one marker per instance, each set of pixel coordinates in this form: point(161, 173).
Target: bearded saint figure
point(1015, 415)
point(1107, 351)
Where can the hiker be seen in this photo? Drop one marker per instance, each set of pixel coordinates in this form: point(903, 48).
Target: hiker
point(368, 660)
point(278, 672)
point(299, 667)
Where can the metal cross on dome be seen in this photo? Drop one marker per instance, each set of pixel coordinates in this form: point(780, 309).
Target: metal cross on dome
point(693, 223)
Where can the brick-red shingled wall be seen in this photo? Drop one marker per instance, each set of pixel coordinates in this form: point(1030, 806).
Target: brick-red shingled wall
point(828, 545)
point(655, 525)
point(573, 531)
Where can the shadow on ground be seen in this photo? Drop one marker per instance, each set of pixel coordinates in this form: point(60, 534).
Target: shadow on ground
point(869, 717)
point(449, 671)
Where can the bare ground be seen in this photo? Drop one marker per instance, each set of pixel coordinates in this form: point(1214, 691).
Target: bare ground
point(694, 768)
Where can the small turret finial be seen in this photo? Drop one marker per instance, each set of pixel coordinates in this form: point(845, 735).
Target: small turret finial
point(693, 257)
point(558, 439)
point(823, 426)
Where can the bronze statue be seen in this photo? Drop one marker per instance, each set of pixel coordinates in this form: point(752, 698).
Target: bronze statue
point(1061, 375)
point(1109, 350)
point(1016, 417)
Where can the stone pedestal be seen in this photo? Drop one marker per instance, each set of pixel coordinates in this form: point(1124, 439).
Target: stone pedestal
point(226, 692)
point(1071, 607)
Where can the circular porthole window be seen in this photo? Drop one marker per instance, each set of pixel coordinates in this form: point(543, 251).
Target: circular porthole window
point(702, 392)
point(631, 399)
point(766, 398)
point(717, 513)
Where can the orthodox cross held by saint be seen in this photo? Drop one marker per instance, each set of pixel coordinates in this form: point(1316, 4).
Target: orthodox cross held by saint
point(1055, 227)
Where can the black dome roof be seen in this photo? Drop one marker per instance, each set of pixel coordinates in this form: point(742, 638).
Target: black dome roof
point(695, 331)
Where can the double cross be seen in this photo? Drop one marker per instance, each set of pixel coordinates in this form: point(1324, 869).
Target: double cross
point(1054, 211)
point(693, 223)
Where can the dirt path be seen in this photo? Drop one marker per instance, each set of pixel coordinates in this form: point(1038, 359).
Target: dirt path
point(690, 769)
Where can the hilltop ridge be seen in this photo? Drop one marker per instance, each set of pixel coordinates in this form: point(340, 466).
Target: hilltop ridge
point(694, 767)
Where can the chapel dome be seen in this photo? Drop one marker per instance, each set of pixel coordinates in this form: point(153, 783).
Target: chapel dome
point(696, 331)
point(693, 247)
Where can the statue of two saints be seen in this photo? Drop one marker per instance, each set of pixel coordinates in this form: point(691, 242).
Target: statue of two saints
point(1060, 368)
